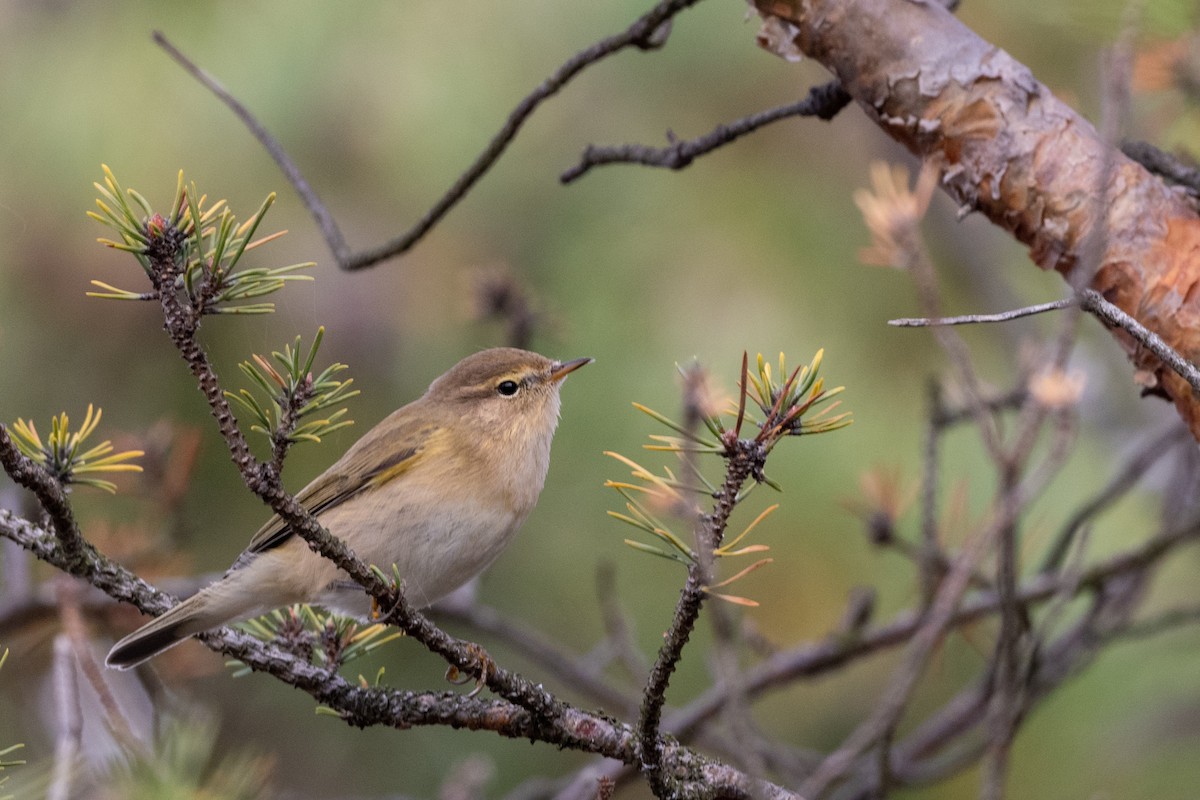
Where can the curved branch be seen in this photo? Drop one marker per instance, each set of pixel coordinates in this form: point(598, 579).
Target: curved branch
point(648, 32)
point(50, 496)
point(823, 102)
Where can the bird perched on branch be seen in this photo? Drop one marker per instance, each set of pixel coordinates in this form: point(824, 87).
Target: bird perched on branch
point(438, 488)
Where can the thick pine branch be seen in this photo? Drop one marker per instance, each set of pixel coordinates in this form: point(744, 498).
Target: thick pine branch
point(1028, 162)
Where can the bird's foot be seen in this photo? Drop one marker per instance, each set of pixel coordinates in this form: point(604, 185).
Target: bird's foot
point(480, 670)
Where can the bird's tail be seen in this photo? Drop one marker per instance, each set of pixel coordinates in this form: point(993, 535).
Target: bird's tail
point(209, 608)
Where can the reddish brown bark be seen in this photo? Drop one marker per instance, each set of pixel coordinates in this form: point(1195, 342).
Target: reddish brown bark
point(1015, 153)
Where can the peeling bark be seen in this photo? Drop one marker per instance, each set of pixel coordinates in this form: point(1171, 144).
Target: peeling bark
point(1018, 155)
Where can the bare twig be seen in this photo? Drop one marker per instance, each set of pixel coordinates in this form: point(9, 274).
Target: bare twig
point(895, 697)
point(1160, 623)
point(924, 279)
point(972, 319)
point(918, 759)
point(823, 102)
point(1013, 400)
point(329, 228)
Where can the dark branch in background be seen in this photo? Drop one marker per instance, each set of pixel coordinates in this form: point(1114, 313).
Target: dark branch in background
point(1163, 164)
point(945, 743)
point(647, 33)
point(1133, 469)
point(823, 102)
point(1013, 400)
point(816, 659)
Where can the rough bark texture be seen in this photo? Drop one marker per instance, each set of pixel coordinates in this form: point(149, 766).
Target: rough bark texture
point(1015, 153)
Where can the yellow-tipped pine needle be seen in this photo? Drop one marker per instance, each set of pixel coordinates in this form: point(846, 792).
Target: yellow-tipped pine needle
point(756, 565)
point(265, 239)
point(730, 545)
point(731, 598)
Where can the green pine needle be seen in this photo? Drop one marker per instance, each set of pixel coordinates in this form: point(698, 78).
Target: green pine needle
point(61, 453)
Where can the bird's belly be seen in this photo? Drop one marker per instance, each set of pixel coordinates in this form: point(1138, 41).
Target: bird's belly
point(435, 547)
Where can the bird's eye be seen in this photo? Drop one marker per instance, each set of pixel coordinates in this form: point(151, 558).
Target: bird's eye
point(508, 388)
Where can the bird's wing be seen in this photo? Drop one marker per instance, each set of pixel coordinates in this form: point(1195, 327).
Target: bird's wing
point(362, 469)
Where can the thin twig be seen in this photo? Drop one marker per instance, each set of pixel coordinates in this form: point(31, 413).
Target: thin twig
point(895, 698)
point(1160, 623)
point(925, 280)
point(813, 659)
point(1010, 401)
point(917, 761)
point(823, 102)
point(726, 631)
point(972, 319)
point(932, 566)
point(1091, 301)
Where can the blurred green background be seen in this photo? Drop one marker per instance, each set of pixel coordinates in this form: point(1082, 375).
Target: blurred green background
point(752, 248)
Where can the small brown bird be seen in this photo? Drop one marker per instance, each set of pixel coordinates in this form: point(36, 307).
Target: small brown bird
point(438, 489)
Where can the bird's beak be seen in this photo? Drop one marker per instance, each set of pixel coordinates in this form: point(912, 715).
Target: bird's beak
point(561, 369)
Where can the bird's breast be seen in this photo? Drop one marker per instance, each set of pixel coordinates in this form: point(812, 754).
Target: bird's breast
point(437, 540)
